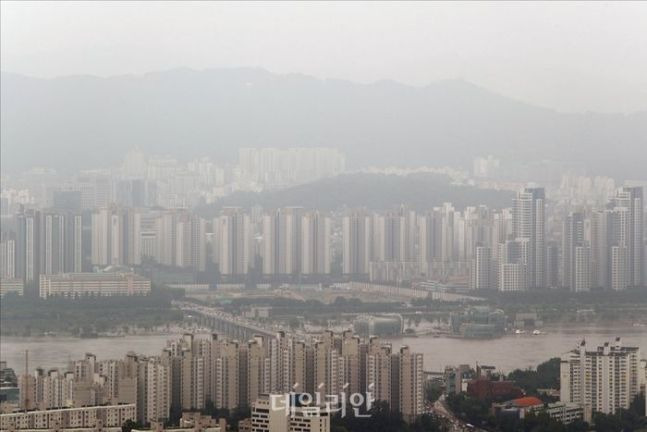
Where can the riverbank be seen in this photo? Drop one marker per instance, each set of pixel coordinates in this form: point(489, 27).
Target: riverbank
point(506, 353)
point(518, 351)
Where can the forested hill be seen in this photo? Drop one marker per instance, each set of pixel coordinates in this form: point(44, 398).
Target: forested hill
point(373, 191)
point(215, 112)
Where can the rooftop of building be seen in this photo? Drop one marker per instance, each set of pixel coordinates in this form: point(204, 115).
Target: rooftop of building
point(94, 276)
point(525, 402)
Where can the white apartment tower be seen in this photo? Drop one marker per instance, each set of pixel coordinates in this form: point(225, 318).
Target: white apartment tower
point(513, 267)
point(411, 396)
point(356, 243)
point(631, 198)
point(107, 237)
point(529, 223)
point(282, 242)
point(602, 379)
point(154, 389)
point(482, 269)
point(315, 243)
point(600, 273)
point(234, 234)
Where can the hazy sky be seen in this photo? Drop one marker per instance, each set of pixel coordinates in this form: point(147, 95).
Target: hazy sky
point(568, 56)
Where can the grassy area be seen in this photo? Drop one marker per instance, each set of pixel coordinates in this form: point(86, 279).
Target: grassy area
point(21, 316)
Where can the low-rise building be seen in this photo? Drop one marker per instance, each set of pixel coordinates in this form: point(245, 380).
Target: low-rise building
point(245, 425)
point(643, 380)
point(560, 411)
point(65, 418)
point(190, 422)
point(98, 428)
point(9, 392)
point(269, 415)
point(456, 378)
point(98, 284)
point(567, 413)
point(7, 286)
point(478, 322)
point(518, 407)
point(527, 320)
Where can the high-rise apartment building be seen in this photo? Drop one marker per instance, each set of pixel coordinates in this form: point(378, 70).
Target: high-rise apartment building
point(602, 379)
point(429, 239)
point(390, 235)
point(190, 242)
point(581, 269)
point(350, 351)
point(410, 383)
point(28, 248)
point(482, 270)
point(356, 243)
point(576, 254)
point(48, 242)
point(513, 268)
point(315, 247)
point(282, 242)
point(251, 371)
point(233, 250)
point(153, 389)
point(127, 236)
point(631, 198)
point(89, 382)
point(61, 243)
point(226, 368)
point(8, 258)
point(620, 249)
point(192, 372)
point(187, 361)
point(552, 265)
point(528, 224)
point(273, 167)
point(378, 369)
point(108, 237)
point(600, 231)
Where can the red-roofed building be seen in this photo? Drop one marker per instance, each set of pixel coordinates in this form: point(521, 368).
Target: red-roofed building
point(485, 389)
point(526, 402)
point(517, 407)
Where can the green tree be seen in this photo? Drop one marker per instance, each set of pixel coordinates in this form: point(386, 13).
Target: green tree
point(294, 323)
point(129, 425)
point(433, 390)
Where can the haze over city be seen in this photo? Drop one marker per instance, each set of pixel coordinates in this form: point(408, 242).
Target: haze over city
point(561, 56)
point(323, 216)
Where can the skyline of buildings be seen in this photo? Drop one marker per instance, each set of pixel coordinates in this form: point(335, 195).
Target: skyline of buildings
point(192, 372)
point(530, 246)
point(269, 375)
point(346, 217)
point(146, 180)
point(165, 181)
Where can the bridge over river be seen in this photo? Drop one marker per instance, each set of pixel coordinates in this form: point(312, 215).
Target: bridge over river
point(227, 324)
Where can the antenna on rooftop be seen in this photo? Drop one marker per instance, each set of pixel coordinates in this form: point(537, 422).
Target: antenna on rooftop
point(26, 382)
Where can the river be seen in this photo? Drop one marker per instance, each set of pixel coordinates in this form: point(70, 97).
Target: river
point(518, 351)
point(506, 353)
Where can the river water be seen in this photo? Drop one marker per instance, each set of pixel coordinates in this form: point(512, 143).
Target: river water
point(506, 353)
point(519, 351)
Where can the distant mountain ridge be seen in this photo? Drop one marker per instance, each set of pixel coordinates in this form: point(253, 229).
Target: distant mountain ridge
point(88, 121)
point(372, 191)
